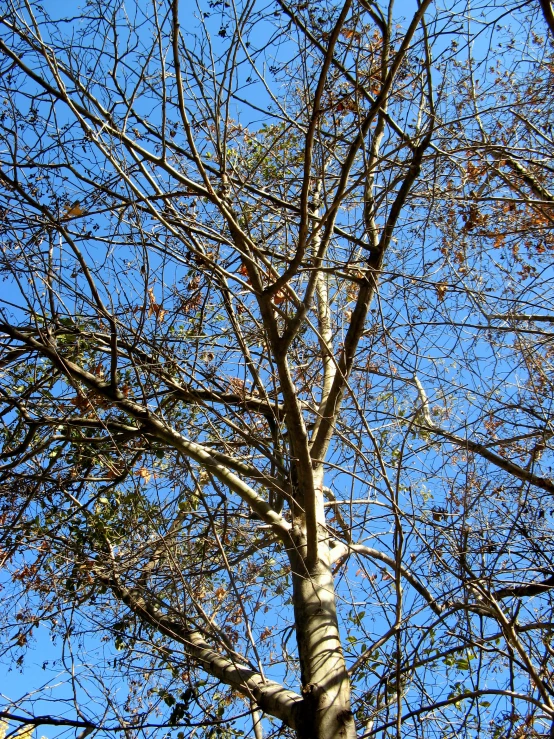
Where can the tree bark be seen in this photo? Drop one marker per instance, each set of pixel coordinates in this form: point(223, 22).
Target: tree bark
point(326, 712)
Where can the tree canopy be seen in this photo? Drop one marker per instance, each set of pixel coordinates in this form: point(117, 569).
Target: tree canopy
point(277, 367)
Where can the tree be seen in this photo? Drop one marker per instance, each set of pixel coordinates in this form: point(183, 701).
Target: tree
point(277, 376)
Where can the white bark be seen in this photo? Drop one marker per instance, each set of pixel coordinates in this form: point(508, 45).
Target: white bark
point(325, 680)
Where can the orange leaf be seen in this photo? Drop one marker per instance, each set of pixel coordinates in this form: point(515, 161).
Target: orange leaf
point(73, 210)
point(144, 473)
point(349, 33)
point(154, 308)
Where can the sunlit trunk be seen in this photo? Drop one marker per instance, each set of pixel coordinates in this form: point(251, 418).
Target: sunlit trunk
point(326, 712)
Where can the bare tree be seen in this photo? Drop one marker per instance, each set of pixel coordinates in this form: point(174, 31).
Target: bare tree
point(277, 371)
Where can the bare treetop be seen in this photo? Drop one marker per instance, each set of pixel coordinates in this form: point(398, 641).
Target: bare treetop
point(276, 367)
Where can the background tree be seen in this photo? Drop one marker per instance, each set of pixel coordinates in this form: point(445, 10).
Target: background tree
point(277, 375)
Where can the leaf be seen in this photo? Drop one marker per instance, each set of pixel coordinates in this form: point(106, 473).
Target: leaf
point(461, 664)
point(73, 210)
point(25, 732)
point(441, 289)
point(350, 33)
point(144, 473)
point(155, 308)
point(243, 270)
point(119, 643)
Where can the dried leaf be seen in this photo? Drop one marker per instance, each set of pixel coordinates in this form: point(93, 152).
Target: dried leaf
point(441, 289)
point(350, 33)
point(144, 473)
point(155, 308)
point(73, 210)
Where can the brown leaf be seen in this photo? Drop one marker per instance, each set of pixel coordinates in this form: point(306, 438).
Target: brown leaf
point(73, 210)
point(441, 289)
point(350, 33)
point(144, 473)
point(154, 308)
point(279, 297)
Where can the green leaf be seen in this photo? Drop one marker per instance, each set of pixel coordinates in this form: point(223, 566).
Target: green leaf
point(462, 664)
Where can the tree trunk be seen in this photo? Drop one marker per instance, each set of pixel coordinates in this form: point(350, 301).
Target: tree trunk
point(326, 712)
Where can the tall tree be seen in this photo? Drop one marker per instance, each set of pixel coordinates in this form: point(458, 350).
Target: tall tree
point(277, 371)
